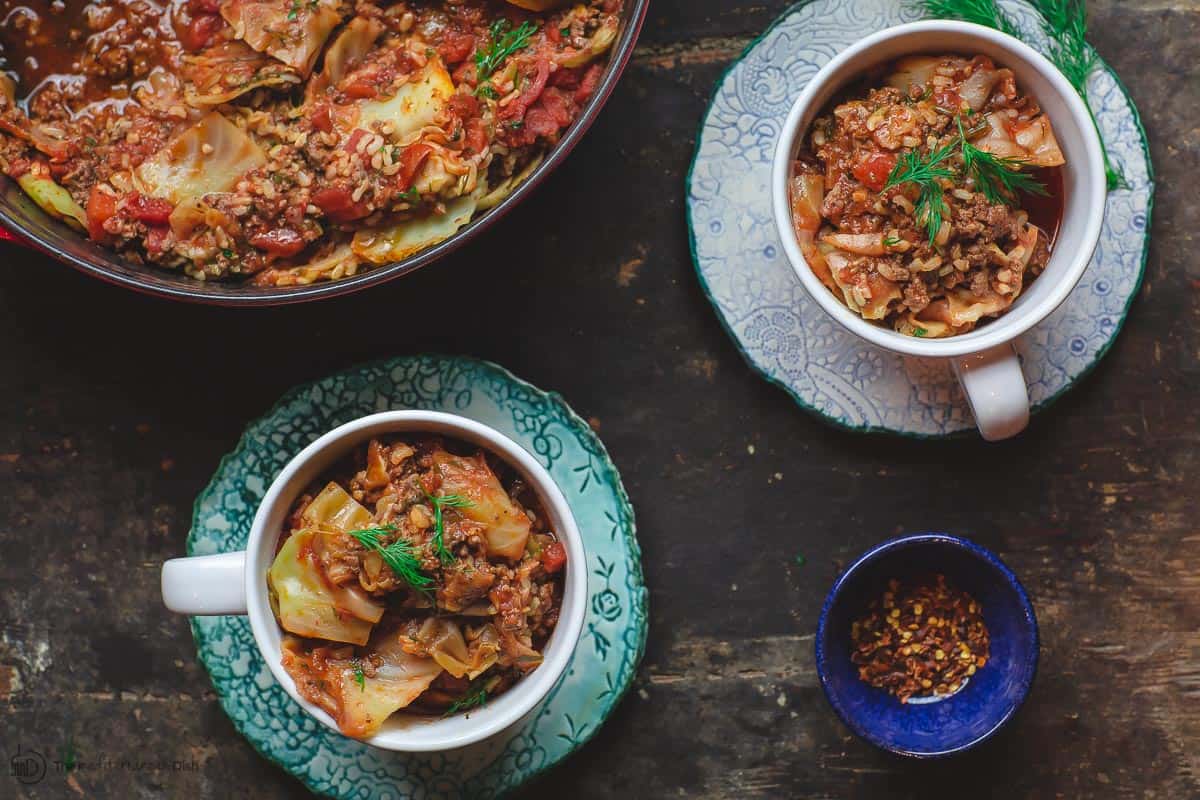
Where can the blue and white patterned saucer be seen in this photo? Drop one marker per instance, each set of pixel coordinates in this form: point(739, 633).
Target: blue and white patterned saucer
point(614, 634)
point(781, 330)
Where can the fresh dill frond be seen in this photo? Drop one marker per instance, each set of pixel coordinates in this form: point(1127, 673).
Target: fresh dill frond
point(502, 43)
point(1065, 24)
point(931, 209)
point(473, 699)
point(440, 503)
point(399, 555)
point(981, 12)
point(999, 179)
point(917, 168)
point(926, 173)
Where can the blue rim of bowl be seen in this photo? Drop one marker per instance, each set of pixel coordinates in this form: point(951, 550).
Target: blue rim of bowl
point(969, 432)
point(898, 543)
point(157, 283)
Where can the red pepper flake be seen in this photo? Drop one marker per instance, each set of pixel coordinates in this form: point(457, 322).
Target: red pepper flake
point(920, 639)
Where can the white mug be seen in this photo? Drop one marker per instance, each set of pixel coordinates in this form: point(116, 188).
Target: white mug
point(984, 359)
point(236, 583)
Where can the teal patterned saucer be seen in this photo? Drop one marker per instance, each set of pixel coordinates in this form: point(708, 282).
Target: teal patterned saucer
point(614, 632)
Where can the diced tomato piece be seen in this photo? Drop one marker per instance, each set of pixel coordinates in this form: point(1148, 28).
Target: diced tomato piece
point(321, 119)
point(282, 242)
point(873, 170)
point(464, 105)
point(545, 119)
point(531, 91)
point(156, 238)
point(554, 557)
point(566, 77)
point(338, 205)
point(198, 32)
point(356, 136)
point(101, 206)
point(410, 163)
point(360, 89)
point(558, 106)
point(456, 46)
point(464, 74)
point(150, 210)
point(591, 79)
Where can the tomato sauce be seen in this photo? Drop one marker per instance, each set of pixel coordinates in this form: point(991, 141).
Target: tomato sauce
point(1046, 211)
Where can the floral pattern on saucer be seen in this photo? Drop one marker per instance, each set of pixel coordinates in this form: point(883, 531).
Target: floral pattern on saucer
point(614, 633)
point(785, 335)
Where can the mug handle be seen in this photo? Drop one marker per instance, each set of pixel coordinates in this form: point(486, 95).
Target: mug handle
point(995, 388)
point(206, 585)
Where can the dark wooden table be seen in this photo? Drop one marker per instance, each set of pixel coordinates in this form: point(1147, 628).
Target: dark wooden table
point(117, 408)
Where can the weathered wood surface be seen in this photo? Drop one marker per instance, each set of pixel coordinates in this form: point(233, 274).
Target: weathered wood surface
point(116, 410)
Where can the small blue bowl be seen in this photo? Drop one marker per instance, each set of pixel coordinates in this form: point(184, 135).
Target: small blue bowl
point(985, 703)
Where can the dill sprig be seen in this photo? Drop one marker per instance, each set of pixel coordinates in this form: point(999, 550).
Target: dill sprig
point(926, 173)
point(399, 555)
point(999, 179)
point(440, 503)
point(472, 699)
point(980, 12)
point(502, 42)
point(1065, 24)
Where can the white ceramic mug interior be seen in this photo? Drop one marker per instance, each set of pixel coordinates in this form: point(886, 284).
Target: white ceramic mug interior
point(984, 359)
point(236, 583)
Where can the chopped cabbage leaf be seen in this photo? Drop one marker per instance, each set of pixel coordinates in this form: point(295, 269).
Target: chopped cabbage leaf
point(449, 647)
point(1032, 142)
point(495, 196)
point(400, 680)
point(210, 156)
point(348, 49)
point(334, 506)
point(875, 292)
point(416, 105)
point(913, 71)
point(506, 525)
point(303, 599)
point(291, 31)
point(384, 245)
point(223, 73)
point(52, 198)
point(596, 46)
